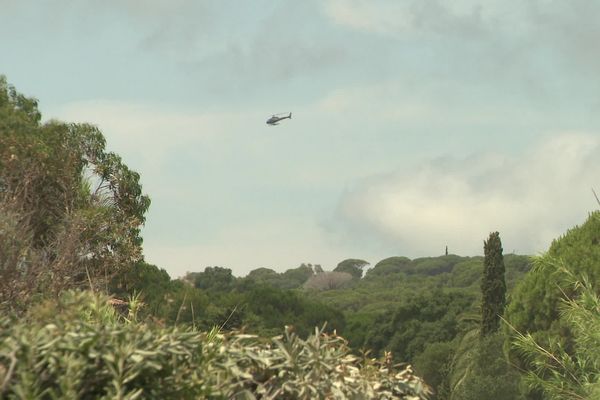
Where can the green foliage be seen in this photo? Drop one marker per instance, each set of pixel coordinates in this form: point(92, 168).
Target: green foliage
point(153, 284)
point(567, 372)
point(352, 266)
point(400, 307)
point(72, 211)
point(357, 327)
point(516, 267)
point(493, 285)
point(467, 272)
point(426, 266)
point(484, 372)
point(82, 348)
point(45, 166)
point(426, 318)
point(535, 303)
point(391, 265)
point(434, 366)
point(295, 278)
point(479, 369)
point(290, 279)
point(223, 300)
point(214, 279)
point(415, 309)
point(268, 308)
point(433, 265)
point(264, 276)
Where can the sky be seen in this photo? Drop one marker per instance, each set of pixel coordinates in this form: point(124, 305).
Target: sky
point(416, 124)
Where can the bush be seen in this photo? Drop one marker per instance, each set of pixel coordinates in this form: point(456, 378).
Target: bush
point(81, 347)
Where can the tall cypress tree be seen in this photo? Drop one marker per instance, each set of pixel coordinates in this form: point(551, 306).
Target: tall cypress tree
point(493, 285)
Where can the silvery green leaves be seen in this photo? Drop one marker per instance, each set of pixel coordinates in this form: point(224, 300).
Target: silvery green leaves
point(88, 350)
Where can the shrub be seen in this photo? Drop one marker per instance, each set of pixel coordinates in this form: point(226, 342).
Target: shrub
point(81, 347)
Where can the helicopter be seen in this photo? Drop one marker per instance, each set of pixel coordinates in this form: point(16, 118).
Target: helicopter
point(274, 120)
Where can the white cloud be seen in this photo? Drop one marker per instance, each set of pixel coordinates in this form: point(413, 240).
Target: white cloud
point(530, 199)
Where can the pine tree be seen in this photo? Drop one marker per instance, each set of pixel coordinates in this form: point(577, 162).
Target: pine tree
point(493, 285)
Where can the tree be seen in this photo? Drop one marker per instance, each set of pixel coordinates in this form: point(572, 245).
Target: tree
point(433, 265)
point(73, 211)
point(493, 285)
point(433, 365)
point(427, 317)
point(151, 283)
point(388, 266)
point(558, 373)
point(54, 169)
point(352, 266)
point(535, 306)
point(274, 308)
point(485, 373)
point(296, 277)
point(214, 278)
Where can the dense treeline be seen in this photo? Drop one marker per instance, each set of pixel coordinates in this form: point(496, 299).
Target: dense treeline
point(216, 298)
point(502, 326)
point(433, 294)
point(420, 310)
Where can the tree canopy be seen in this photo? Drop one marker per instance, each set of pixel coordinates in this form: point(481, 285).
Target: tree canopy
point(352, 266)
point(70, 210)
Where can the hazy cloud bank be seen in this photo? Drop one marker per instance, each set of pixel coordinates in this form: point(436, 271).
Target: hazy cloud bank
point(530, 198)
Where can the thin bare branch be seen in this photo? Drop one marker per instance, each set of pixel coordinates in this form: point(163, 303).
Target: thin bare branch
point(596, 196)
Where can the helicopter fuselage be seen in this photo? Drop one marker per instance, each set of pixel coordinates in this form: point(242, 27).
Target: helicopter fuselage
point(274, 120)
